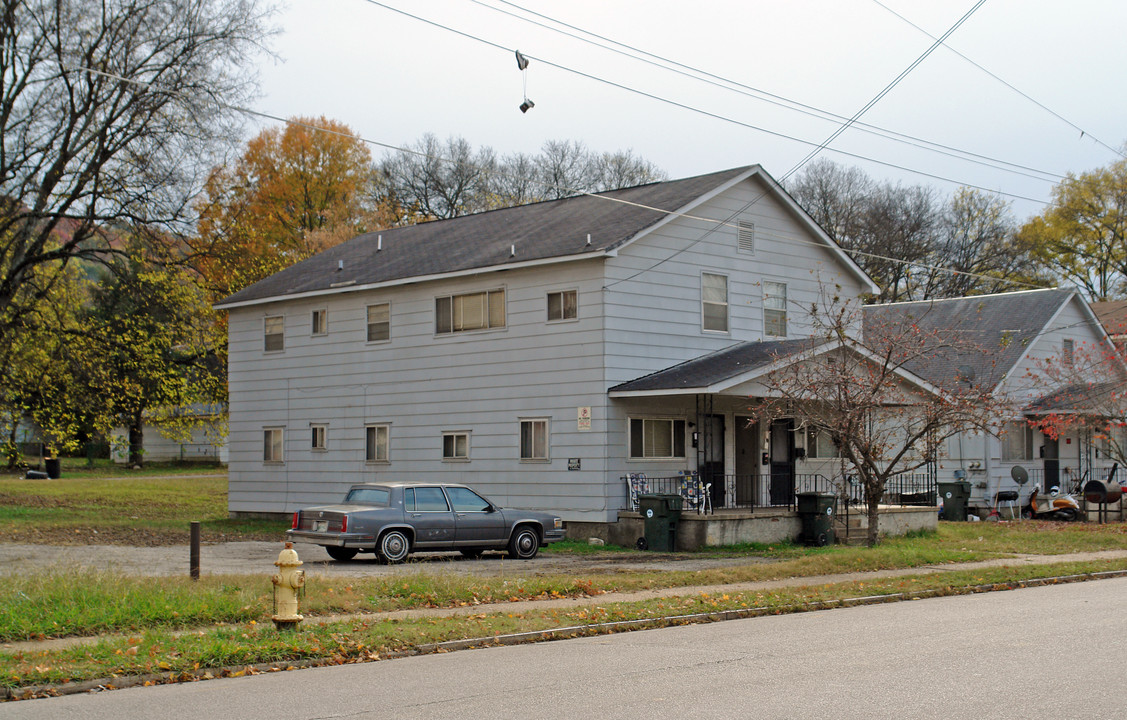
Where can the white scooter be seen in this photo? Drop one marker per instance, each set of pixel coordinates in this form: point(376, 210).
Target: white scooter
point(1055, 506)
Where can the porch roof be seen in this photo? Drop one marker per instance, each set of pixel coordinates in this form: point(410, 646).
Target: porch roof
point(718, 370)
point(1097, 398)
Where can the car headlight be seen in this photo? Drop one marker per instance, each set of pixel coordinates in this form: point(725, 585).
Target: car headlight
point(558, 523)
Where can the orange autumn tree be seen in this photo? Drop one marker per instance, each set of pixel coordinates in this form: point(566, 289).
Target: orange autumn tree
point(294, 191)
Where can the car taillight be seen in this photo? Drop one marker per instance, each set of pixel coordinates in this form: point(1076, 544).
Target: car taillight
point(344, 524)
point(296, 520)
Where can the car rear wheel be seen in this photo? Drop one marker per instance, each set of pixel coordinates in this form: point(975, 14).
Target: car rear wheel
point(524, 544)
point(341, 553)
point(394, 547)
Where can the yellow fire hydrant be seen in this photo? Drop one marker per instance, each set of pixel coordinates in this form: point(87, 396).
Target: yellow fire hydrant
point(287, 583)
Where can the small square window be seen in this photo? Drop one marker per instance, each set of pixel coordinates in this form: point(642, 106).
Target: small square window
point(456, 446)
point(379, 322)
point(563, 305)
point(318, 437)
point(272, 445)
point(376, 438)
point(274, 337)
point(534, 440)
point(319, 323)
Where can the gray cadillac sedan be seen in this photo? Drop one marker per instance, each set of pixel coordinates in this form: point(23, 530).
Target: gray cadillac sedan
point(394, 519)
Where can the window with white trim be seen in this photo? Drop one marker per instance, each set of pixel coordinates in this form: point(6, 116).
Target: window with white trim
point(820, 444)
point(470, 311)
point(1017, 442)
point(657, 438)
point(456, 445)
point(775, 309)
point(563, 305)
point(274, 333)
point(534, 440)
point(318, 437)
point(377, 443)
point(745, 236)
point(319, 324)
point(272, 444)
point(714, 302)
point(379, 322)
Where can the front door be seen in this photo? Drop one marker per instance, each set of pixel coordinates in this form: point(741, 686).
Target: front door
point(1051, 456)
point(747, 463)
point(782, 462)
point(712, 456)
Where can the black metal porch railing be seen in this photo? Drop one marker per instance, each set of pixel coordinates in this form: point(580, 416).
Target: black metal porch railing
point(708, 492)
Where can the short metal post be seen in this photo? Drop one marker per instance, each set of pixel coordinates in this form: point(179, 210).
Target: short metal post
point(194, 552)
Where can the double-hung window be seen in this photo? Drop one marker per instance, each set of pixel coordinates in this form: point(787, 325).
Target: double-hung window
point(471, 311)
point(319, 325)
point(534, 440)
point(657, 438)
point(272, 445)
point(274, 336)
point(775, 309)
point(714, 302)
point(1017, 443)
point(376, 441)
point(379, 322)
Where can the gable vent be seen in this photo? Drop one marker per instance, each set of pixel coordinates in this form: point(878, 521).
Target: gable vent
point(745, 236)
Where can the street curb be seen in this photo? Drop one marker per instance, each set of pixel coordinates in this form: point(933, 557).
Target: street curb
point(564, 633)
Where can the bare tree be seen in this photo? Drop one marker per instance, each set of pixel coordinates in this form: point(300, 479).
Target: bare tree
point(883, 419)
point(440, 180)
point(110, 114)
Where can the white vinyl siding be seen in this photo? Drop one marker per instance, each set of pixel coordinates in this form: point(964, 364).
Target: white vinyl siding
point(471, 311)
point(376, 443)
point(775, 309)
point(656, 438)
point(714, 302)
point(534, 440)
point(274, 334)
point(379, 322)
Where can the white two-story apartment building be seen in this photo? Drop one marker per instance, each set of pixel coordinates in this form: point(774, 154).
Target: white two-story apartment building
point(538, 353)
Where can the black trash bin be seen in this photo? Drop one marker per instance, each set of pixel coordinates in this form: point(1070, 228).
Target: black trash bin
point(661, 514)
point(816, 510)
point(954, 496)
point(53, 467)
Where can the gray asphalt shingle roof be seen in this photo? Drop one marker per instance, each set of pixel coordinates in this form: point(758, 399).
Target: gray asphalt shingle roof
point(551, 229)
point(718, 366)
point(989, 333)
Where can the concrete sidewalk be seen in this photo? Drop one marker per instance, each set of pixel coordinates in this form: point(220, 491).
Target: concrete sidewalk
point(682, 591)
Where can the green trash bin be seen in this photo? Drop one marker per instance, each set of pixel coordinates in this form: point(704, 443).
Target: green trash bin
point(954, 496)
point(661, 514)
point(816, 510)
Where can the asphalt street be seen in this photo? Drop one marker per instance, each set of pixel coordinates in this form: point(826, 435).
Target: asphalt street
point(1047, 652)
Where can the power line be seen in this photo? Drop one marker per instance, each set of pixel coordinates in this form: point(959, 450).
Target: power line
point(1058, 116)
point(778, 100)
point(697, 110)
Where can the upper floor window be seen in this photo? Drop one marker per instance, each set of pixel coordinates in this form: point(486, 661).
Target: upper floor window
point(563, 305)
point(376, 443)
point(318, 437)
point(1068, 351)
point(472, 311)
point(274, 336)
point(320, 322)
point(379, 322)
point(775, 309)
point(534, 440)
point(745, 236)
point(272, 445)
point(714, 302)
point(455, 446)
point(657, 438)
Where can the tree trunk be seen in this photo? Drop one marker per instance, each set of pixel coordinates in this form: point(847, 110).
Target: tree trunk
point(872, 501)
point(136, 443)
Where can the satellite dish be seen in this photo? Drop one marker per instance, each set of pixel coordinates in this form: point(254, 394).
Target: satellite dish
point(1019, 474)
point(966, 373)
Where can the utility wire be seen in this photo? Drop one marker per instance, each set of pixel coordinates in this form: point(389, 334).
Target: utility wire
point(700, 111)
point(768, 97)
point(1058, 116)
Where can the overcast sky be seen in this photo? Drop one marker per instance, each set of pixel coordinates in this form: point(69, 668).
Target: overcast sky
point(392, 78)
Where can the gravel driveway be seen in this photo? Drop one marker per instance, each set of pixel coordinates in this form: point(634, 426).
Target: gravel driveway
point(258, 557)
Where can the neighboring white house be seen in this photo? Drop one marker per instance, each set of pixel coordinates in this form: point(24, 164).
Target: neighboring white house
point(535, 352)
point(1004, 342)
point(206, 441)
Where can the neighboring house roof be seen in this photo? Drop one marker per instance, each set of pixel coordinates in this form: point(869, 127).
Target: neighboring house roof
point(1113, 315)
point(740, 363)
point(573, 228)
point(989, 334)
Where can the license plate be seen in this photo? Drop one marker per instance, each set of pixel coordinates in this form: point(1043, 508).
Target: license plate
point(320, 525)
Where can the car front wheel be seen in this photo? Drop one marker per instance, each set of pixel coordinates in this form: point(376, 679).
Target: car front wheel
point(524, 544)
point(394, 547)
point(341, 553)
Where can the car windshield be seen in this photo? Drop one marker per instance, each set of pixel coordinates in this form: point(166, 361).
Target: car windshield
point(368, 496)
